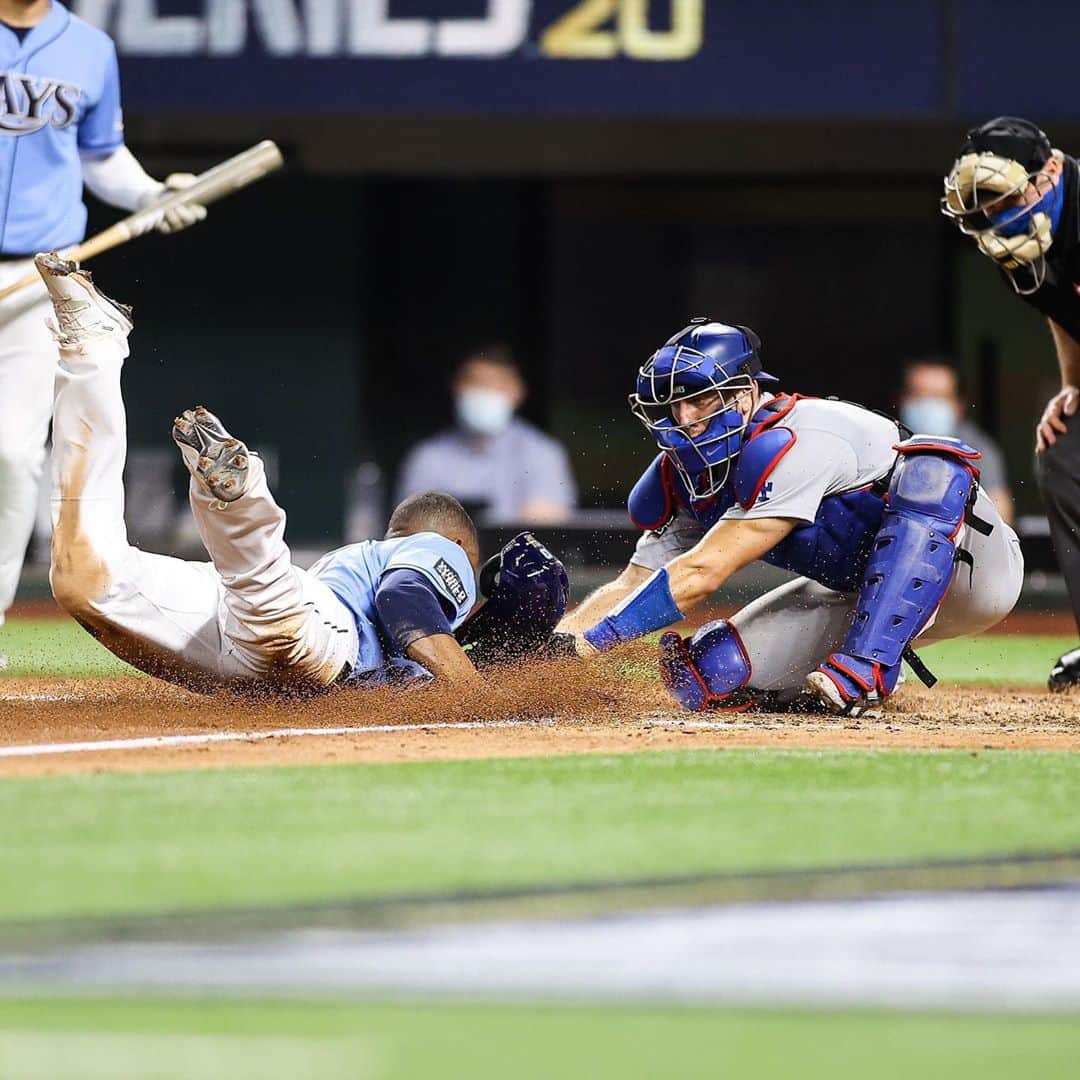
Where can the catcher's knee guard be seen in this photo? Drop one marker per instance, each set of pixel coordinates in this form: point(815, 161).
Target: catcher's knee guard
point(910, 567)
point(708, 670)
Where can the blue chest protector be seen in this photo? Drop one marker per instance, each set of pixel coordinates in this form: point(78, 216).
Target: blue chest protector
point(833, 550)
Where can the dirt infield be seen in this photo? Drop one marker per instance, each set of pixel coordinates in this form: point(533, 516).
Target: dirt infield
point(551, 709)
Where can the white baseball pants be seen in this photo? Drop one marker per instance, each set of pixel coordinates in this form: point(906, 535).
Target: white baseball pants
point(247, 617)
point(793, 628)
point(27, 368)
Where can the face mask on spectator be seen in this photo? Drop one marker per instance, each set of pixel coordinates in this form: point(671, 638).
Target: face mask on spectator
point(483, 412)
point(929, 415)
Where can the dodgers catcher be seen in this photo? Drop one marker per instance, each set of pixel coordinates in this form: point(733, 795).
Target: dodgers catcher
point(889, 532)
point(394, 610)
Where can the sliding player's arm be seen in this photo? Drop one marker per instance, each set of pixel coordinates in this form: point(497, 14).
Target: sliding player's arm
point(445, 659)
point(413, 615)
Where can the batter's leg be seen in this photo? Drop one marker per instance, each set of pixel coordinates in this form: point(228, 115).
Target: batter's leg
point(790, 630)
point(160, 614)
point(27, 367)
point(291, 628)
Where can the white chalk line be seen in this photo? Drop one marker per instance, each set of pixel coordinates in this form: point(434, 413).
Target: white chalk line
point(162, 742)
point(156, 742)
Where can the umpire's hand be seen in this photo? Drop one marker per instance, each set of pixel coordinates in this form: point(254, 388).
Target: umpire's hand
point(1052, 423)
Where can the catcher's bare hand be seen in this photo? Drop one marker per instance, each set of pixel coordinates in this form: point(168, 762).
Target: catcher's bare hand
point(1052, 422)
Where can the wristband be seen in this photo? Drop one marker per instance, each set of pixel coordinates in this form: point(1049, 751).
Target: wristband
point(649, 607)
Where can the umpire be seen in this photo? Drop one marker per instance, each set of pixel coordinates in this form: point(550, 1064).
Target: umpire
point(1020, 199)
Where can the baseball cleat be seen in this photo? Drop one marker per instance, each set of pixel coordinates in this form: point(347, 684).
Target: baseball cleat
point(821, 687)
point(825, 690)
point(82, 310)
point(217, 460)
point(1065, 673)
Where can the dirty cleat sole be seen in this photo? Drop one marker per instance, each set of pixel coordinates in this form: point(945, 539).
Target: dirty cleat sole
point(218, 461)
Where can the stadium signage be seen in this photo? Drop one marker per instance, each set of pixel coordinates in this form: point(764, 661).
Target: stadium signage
point(666, 58)
point(648, 30)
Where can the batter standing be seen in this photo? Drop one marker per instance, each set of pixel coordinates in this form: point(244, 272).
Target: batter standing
point(60, 128)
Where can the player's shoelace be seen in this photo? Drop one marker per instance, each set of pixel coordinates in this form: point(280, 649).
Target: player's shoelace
point(70, 315)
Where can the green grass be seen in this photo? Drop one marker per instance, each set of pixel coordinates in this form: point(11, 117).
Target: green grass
point(91, 1039)
point(125, 843)
point(142, 843)
point(59, 647)
point(997, 659)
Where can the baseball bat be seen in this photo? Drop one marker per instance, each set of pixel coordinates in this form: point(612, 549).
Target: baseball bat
point(232, 175)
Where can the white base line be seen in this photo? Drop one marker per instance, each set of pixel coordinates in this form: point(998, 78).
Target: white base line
point(159, 742)
point(155, 742)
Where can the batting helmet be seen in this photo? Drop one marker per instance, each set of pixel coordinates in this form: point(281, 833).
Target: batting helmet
point(526, 588)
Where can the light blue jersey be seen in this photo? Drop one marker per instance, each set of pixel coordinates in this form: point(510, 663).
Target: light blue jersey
point(353, 574)
point(61, 98)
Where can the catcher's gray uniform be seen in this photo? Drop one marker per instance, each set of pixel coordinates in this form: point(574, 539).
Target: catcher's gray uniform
point(840, 448)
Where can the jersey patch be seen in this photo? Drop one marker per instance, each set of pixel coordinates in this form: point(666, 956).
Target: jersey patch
point(452, 580)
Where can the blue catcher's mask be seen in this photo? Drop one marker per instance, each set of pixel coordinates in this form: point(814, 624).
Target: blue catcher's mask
point(717, 364)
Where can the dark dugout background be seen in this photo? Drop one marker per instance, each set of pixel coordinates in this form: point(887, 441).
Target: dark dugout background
point(787, 177)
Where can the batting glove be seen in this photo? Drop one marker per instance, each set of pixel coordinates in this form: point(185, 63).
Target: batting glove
point(179, 217)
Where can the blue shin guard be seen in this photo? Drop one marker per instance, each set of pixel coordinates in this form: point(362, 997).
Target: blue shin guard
point(909, 571)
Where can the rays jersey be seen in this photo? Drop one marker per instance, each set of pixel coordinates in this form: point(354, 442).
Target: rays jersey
point(60, 100)
point(353, 574)
point(821, 462)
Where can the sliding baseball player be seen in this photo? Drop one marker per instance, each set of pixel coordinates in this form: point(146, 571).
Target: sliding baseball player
point(398, 610)
point(60, 128)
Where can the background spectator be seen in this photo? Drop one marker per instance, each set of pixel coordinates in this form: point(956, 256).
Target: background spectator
point(931, 404)
point(498, 465)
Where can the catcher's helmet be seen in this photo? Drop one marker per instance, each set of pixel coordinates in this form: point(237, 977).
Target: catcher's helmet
point(704, 357)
